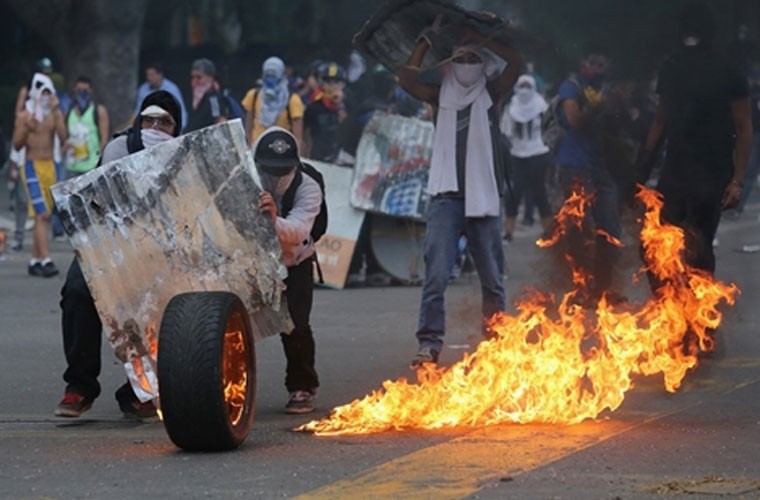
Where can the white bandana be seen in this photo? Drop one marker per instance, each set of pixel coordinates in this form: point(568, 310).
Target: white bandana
point(37, 104)
point(527, 104)
point(151, 136)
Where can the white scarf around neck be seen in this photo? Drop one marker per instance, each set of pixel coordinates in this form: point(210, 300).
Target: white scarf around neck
point(481, 194)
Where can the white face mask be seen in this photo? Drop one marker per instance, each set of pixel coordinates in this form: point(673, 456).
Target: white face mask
point(467, 74)
point(151, 136)
point(523, 94)
point(276, 184)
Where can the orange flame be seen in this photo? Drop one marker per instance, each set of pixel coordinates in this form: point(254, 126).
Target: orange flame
point(234, 375)
point(554, 361)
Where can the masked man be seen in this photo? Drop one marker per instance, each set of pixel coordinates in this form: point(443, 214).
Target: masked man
point(466, 176)
point(88, 128)
point(272, 104)
point(35, 129)
point(157, 122)
point(277, 161)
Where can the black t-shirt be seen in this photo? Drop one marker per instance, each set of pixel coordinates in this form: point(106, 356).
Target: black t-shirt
point(212, 107)
point(697, 88)
point(323, 125)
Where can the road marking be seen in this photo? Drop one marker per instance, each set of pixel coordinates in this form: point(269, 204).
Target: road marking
point(461, 466)
point(464, 465)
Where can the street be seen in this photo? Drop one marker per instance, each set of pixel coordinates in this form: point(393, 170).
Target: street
point(701, 442)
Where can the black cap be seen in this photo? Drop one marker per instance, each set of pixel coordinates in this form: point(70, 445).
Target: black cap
point(276, 149)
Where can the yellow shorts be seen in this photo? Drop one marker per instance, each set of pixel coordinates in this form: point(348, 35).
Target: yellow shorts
point(39, 176)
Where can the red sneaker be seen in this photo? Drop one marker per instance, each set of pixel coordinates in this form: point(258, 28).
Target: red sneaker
point(72, 405)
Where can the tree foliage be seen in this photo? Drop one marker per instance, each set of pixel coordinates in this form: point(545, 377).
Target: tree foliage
point(96, 38)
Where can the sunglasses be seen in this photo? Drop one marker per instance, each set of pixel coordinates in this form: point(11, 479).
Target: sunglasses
point(162, 122)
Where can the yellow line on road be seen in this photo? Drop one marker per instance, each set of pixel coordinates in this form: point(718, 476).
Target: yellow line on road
point(463, 465)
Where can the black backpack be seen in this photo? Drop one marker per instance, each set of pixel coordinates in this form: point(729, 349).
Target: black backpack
point(320, 223)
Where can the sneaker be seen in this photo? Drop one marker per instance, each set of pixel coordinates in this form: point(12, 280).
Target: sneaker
point(138, 410)
point(49, 270)
point(72, 405)
point(301, 402)
point(423, 356)
point(36, 269)
point(17, 246)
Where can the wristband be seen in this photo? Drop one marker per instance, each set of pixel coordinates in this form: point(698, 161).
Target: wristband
point(426, 38)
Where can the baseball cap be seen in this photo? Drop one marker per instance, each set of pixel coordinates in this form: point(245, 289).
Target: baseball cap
point(276, 151)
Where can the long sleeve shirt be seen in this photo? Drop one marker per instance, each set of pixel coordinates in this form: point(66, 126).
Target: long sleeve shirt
point(294, 230)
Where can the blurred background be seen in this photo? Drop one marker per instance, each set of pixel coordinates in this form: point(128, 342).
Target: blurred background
point(111, 40)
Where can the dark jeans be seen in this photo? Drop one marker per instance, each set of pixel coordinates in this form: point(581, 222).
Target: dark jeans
point(82, 334)
point(82, 338)
point(600, 261)
point(300, 373)
point(698, 214)
point(530, 181)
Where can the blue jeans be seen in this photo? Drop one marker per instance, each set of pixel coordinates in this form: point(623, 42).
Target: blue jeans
point(446, 222)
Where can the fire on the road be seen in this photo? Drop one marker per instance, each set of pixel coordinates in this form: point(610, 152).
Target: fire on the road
point(554, 361)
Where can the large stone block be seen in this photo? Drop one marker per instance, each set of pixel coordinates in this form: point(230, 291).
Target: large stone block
point(178, 217)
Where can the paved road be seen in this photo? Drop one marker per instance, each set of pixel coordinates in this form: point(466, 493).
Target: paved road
point(701, 442)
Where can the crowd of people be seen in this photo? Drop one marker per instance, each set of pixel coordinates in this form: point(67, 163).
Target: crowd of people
point(503, 139)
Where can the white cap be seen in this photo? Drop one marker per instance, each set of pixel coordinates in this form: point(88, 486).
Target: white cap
point(154, 110)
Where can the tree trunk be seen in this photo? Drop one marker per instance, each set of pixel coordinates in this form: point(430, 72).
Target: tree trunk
point(95, 38)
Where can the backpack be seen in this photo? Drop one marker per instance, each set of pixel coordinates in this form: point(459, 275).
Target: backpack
point(320, 222)
point(236, 109)
point(287, 107)
point(552, 130)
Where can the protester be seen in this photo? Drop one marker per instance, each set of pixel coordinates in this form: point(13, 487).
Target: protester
point(581, 164)
point(373, 91)
point(209, 105)
point(705, 116)
point(35, 130)
point(157, 122)
point(155, 80)
point(277, 160)
point(530, 158)
point(88, 129)
point(273, 103)
point(325, 114)
point(45, 66)
point(466, 178)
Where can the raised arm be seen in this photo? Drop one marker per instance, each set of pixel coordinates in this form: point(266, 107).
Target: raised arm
point(410, 72)
point(503, 84)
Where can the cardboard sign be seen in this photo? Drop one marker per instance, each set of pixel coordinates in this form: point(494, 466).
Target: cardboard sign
point(336, 247)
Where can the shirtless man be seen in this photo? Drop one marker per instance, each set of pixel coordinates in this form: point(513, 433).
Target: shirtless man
point(36, 126)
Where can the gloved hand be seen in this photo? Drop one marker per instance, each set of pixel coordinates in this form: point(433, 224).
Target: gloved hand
point(431, 33)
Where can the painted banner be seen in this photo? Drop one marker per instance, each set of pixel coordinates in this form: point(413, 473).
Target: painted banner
point(392, 162)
